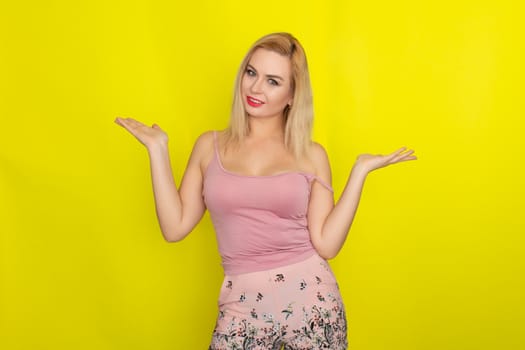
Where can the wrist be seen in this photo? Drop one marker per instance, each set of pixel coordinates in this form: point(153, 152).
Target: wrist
point(359, 170)
point(158, 147)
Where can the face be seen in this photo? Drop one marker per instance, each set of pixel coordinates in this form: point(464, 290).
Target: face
point(266, 84)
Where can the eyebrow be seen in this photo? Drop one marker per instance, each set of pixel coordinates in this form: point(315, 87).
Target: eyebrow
point(272, 76)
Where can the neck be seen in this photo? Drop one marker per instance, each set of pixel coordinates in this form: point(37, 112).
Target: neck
point(267, 127)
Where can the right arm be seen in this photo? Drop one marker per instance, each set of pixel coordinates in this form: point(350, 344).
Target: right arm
point(178, 210)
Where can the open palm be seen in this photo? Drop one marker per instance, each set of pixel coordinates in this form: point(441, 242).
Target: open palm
point(370, 162)
point(147, 135)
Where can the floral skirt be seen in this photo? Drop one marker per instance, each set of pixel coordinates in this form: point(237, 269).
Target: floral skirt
point(297, 306)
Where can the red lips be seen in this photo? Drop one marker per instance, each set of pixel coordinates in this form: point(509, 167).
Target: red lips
point(252, 101)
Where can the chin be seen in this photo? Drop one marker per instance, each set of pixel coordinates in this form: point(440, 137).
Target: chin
point(258, 114)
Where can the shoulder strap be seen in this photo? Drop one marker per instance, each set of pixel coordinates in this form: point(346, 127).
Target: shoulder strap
point(324, 184)
point(215, 143)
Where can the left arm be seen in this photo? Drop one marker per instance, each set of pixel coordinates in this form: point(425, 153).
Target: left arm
point(328, 223)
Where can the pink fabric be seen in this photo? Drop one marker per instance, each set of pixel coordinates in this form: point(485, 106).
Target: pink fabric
point(298, 306)
point(260, 221)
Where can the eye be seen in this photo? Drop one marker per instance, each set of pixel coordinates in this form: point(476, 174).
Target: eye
point(273, 82)
point(250, 72)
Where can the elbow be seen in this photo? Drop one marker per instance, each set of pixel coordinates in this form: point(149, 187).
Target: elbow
point(172, 236)
point(327, 255)
point(170, 239)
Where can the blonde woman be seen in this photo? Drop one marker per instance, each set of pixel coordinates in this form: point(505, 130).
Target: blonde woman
point(267, 188)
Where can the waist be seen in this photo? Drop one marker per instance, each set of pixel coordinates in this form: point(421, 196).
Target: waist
point(246, 263)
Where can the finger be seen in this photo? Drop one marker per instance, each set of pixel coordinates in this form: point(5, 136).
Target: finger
point(404, 158)
point(133, 123)
point(405, 154)
point(401, 156)
point(407, 159)
point(119, 120)
point(122, 122)
point(399, 151)
point(135, 126)
point(130, 125)
point(393, 155)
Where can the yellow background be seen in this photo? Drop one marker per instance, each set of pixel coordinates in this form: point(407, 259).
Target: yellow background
point(435, 257)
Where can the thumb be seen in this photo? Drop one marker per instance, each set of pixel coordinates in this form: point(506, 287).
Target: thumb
point(155, 126)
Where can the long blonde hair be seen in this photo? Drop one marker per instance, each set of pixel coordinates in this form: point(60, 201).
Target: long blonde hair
point(299, 116)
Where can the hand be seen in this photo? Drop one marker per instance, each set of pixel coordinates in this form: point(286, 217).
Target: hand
point(148, 136)
point(369, 162)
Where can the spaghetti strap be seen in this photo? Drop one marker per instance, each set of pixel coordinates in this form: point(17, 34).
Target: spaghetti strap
point(309, 176)
point(324, 184)
point(216, 144)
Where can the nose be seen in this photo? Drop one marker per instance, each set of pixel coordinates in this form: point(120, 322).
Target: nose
point(256, 85)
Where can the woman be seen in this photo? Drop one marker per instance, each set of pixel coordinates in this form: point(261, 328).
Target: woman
point(267, 187)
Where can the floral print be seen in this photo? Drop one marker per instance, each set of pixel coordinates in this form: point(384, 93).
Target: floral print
point(297, 307)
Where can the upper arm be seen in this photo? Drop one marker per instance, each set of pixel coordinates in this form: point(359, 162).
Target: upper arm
point(321, 198)
point(190, 191)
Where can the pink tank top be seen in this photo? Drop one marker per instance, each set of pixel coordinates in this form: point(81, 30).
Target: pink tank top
point(260, 221)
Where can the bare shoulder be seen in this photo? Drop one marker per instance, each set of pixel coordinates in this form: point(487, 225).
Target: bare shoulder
point(203, 149)
point(318, 156)
point(204, 144)
point(204, 139)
